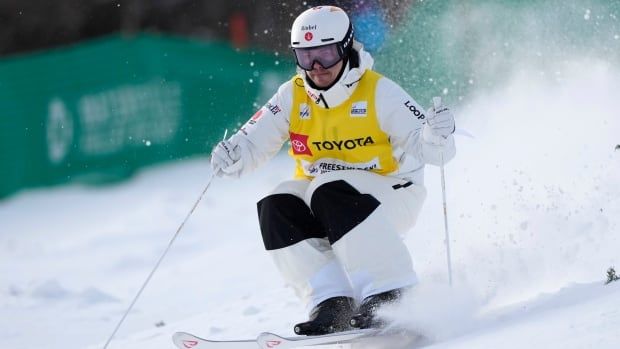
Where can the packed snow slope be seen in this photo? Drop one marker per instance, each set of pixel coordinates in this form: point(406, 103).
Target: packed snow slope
point(534, 212)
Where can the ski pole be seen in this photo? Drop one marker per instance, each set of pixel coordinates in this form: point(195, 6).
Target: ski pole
point(445, 218)
point(161, 258)
point(437, 104)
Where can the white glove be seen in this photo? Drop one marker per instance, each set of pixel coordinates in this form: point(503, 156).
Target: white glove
point(439, 119)
point(226, 159)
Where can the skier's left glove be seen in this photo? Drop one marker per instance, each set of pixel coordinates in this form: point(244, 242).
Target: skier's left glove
point(226, 159)
point(440, 120)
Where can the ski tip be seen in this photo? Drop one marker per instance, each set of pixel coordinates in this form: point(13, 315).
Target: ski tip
point(184, 340)
point(270, 340)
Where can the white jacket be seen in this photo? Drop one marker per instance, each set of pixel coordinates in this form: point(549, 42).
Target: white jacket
point(399, 115)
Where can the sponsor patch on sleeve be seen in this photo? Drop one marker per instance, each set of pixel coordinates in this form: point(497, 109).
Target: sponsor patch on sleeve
point(273, 108)
point(414, 110)
point(254, 119)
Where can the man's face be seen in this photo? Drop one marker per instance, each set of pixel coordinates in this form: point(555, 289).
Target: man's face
point(324, 77)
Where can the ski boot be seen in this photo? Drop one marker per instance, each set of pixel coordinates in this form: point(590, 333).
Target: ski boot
point(331, 315)
point(366, 316)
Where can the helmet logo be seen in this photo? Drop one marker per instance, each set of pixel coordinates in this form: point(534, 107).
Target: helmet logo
point(308, 36)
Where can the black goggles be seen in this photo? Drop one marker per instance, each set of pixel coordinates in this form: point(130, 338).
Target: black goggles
point(327, 56)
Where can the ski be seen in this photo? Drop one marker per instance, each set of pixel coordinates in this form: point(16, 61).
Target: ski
point(184, 340)
point(268, 340)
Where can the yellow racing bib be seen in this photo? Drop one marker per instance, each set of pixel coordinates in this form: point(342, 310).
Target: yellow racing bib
point(340, 138)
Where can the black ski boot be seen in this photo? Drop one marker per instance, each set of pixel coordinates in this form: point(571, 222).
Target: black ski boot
point(331, 315)
point(366, 316)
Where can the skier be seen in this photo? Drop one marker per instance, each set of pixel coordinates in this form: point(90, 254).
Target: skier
point(360, 144)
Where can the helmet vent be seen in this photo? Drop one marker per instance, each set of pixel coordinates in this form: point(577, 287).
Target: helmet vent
point(328, 39)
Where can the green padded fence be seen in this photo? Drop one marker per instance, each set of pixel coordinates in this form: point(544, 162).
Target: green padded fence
point(98, 111)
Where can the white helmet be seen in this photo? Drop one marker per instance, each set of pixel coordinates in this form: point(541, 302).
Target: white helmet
point(322, 26)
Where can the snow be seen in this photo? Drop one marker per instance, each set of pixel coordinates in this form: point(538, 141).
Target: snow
point(534, 210)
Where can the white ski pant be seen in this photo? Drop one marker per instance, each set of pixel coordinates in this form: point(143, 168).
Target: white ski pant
point(341, 234)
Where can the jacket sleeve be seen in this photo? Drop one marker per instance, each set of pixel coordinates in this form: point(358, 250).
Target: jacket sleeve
point(404, 120)
point(262, 136)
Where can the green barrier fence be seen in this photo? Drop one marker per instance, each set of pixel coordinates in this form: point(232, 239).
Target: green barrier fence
point(100, 110)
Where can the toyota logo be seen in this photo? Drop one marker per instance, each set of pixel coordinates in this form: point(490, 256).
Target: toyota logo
point(298, 145)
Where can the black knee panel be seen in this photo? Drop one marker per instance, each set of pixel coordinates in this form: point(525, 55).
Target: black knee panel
point(340, 207)
point(286, 220)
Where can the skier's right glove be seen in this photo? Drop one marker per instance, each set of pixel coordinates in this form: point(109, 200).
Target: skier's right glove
point(226, 159)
